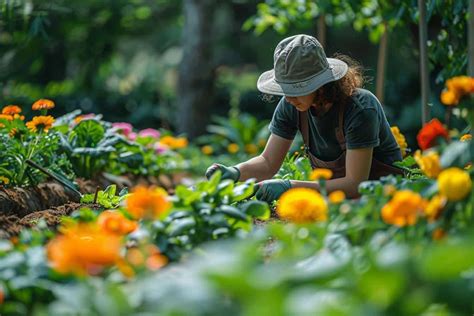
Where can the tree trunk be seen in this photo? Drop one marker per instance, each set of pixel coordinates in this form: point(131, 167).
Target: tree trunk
point(196, 73)
point(381, 65)
point(321, 30)
point(425, 85)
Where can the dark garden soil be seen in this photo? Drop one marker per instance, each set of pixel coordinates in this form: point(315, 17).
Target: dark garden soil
point(24, 207)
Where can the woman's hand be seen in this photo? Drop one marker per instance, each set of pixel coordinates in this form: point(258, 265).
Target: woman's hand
point(271, 190)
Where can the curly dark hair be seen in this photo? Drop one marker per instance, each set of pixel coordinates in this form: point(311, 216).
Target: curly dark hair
point(340, 90)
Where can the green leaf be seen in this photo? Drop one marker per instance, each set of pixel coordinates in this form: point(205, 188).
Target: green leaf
point(88, 133)
point(456, 154)
point(257, 209)
point(243, 191)
point(232, 212)
point(178, 227)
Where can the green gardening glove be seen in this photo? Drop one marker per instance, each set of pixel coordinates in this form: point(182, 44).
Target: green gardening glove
point(232, 173)
point(271, 190)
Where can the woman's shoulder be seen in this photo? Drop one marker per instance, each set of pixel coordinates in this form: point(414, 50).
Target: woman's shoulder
point(364, 99)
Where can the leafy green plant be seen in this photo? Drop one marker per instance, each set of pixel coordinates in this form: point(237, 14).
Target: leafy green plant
point(106, 198)
point(211, 210)
point(18, 144)
point(242, 135)
point(91, 145)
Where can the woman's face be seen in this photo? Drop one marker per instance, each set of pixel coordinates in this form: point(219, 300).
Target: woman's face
point(303, 103)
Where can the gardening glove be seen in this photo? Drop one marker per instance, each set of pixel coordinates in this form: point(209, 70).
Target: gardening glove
point(232, 173)
point(271, 190)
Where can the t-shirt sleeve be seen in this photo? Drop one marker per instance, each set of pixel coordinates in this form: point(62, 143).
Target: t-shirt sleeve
point(283, 121)
point(362, 129)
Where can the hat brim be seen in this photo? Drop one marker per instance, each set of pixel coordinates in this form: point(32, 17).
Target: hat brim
point(266, 82)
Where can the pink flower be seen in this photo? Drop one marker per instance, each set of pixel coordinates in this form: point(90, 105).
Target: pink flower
point(149, 132)
point(132, 136)
point(123, 127)
point(160, 148)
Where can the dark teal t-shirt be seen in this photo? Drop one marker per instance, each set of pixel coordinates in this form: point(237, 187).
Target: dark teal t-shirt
point(365, 126)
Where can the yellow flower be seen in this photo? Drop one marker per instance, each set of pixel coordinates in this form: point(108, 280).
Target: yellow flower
point(251, 149)
point(207, 150)
point(320, 173)
point(401, 140)
point(337, 197)
point(4, 180)
point(449, 97)
point(434, 207)
point(302, 205)
point(454, 183)
point(403, 209)
point(465, 137)
point(233, 148)
point(41, 123)
point(180, 142)
point(11, 110)
point(262, 142)
point(83, 249)
point(429, 163)
point(148, 203)
point(174, 143)
point(459, 85)
point(43, 104)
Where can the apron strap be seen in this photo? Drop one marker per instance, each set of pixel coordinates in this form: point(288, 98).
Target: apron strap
point(341, 139)
point(303, 127)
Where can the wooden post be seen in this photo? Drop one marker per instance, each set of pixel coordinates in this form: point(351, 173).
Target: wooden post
point(424, 71)
point(470, 34)
point(321, 30)
point(381, 62)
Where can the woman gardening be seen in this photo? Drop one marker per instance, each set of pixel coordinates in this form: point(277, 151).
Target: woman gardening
point(343, 126)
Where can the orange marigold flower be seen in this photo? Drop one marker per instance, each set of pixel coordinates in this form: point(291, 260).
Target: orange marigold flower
point(148, 203)
point(11, 110)
point(435, 207)
point(156, 261)
point(40, 123)
point(114, 222)
point(4, 180)
point(174, 143)
point(83, 249)
point(43, 104)
point(321, 174)
point(403, 209)
point(431, 131)
point(438, 234)
point(302, 205)
point(449, 97)
point(465, 137)
point(6, 117)
point(337, 197)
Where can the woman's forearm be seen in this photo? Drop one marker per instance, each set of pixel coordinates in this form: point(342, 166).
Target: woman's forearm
point(257, 167)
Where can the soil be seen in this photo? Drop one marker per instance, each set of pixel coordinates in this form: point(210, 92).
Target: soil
point(24, 207)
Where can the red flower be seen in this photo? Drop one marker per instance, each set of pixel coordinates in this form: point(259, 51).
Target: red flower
point(429, 134)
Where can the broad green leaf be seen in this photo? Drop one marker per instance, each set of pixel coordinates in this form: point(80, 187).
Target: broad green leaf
point(257, 209)
point(232, 212)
